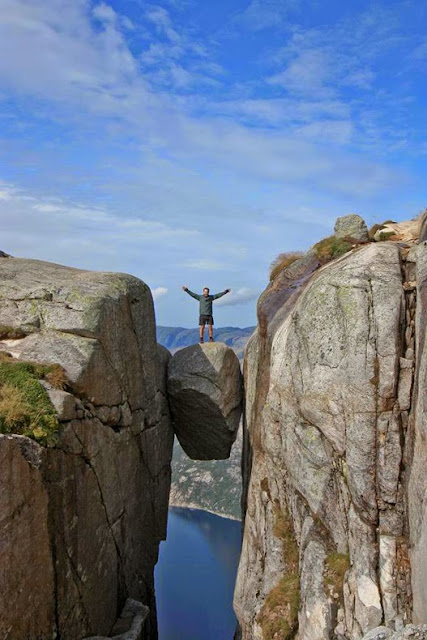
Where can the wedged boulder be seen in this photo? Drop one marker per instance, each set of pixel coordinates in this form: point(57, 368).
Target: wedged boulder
point(205, 394)
point(352, 226)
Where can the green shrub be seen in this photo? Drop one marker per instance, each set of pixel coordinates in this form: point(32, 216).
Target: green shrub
point(330, 248)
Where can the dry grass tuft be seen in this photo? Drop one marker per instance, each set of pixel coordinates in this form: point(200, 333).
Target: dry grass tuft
point(56, 377)
point(25, 407)
point(282, 261)
point(13, 406)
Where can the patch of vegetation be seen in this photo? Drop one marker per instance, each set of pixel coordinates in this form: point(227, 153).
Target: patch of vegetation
point(25, 407)
point(11, 333)
point(282, 261)
point(330, 248)
point(279, 614)
point(284, 530)
point(336, 566)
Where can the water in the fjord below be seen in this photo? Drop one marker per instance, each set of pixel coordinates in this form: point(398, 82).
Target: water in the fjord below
point(195, 576)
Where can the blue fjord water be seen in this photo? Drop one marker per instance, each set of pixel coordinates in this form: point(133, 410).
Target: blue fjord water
point(195, 576)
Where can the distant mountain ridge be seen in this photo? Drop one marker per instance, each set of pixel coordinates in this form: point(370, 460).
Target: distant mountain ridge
point(174, 338)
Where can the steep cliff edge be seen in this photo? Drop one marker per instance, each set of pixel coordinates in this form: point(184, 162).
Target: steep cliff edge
point(82, 510)
point(334, 446)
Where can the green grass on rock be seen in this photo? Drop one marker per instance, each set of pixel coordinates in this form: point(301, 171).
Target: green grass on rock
point(25, 407)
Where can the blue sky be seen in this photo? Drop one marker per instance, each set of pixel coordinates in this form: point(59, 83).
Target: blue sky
point(190, 142)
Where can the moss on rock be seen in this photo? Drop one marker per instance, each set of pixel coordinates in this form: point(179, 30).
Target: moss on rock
point(331, 248)
point(279, 614)
point(336, 566)
point(25, 407)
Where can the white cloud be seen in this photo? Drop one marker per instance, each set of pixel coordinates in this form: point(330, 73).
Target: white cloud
point(308, 72)
point(62, 231)
point(205, 265)
point(240, 296)
point(95, 79)
point(158, 292)
point(266, 14)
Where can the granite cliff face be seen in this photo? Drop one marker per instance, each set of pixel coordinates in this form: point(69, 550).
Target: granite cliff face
point(335, 496)
point(82, 516)
point(334, 445)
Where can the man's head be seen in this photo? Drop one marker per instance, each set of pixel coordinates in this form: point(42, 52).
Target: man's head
point(206, 291)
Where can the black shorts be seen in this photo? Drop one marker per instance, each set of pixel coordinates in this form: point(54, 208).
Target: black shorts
point(205, 320)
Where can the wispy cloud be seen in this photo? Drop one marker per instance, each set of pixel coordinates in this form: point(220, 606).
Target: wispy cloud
point(159, 292)
point(240, 296)
point(129, 141)
point(205, 265)
point(266, 14)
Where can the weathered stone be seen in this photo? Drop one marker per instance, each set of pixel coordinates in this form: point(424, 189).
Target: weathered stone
point(417, 491)
point(315, 615)
point(205, 393)
point(92, 323)
point(88, 515)
point(27, 604)
point(379, 633)
point(352, 226)
point(64, 403)
point(410, 632)
point(387, 561)
point(324, 434)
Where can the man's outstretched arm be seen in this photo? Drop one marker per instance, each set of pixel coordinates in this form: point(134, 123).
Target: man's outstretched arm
point(191, 293)
point(219, 295)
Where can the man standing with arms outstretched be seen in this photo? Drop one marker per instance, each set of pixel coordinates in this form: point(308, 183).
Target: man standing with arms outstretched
point(205, 310)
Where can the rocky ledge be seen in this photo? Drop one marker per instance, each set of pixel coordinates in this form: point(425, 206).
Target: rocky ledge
point(84, 454)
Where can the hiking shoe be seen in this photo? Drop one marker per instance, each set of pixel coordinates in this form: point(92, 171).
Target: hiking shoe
point(211, 340)
point(201, 341)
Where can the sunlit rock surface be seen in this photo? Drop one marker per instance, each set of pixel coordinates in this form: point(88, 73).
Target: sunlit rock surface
point(333, 433)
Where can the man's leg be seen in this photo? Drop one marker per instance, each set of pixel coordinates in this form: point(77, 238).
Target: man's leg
point(202, 332)
point(210, 329)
